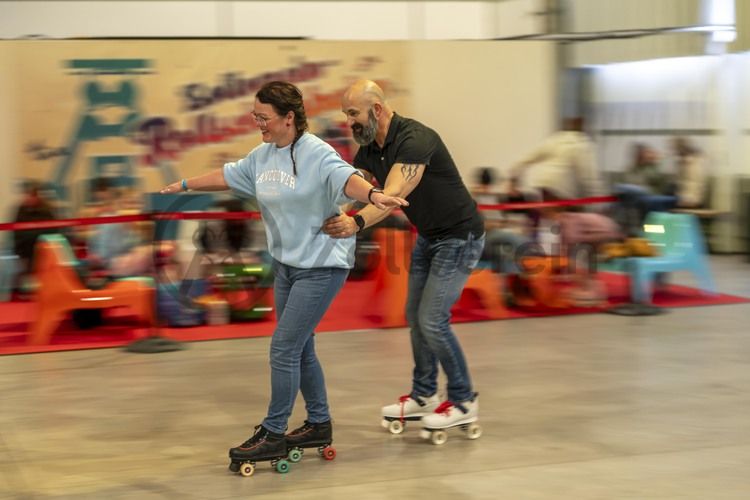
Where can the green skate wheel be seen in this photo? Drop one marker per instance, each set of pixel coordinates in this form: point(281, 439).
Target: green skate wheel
point(295, 455)
point(282, 466)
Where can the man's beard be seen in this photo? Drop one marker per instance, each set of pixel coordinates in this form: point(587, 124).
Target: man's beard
point(365, 134)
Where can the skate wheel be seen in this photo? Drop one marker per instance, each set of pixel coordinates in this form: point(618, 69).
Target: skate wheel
point(234, 467)
point(247, 469)
point(473, 431)
point(329, 453)
point(282, 466)
point(396, 427)
point(295, 455)
point(439, 437)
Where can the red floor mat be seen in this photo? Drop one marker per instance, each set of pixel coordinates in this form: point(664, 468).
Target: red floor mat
point(352, 310)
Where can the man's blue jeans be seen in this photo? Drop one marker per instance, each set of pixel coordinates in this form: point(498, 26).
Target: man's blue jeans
point(437, 276)
point(302, 297)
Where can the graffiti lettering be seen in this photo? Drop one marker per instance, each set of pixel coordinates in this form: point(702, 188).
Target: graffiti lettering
point(233, 85)
point(165, 141)
point(38, 151)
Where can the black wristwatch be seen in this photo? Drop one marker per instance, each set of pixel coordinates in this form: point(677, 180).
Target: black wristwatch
point(373, 190)
point(360, 222)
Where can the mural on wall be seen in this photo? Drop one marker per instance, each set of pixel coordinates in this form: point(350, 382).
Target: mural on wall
point(175, 110)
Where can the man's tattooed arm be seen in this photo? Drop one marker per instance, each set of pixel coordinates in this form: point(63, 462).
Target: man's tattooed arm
point(409, 171)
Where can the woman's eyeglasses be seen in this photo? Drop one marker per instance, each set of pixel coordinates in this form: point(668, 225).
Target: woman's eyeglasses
point(263, 120)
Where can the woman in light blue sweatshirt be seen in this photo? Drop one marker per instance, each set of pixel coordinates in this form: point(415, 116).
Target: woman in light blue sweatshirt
point(299, 181)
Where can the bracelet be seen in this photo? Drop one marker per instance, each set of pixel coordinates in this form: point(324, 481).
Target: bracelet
point(184, 185)
point(373, 190)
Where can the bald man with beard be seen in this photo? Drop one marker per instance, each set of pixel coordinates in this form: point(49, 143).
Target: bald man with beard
point(410, 160)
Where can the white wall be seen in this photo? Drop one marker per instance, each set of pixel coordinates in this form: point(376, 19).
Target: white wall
point(8, 138)
point(108, 19)
point(652, 96)
point(490, 101)
point(324, 20)
point(380, 20)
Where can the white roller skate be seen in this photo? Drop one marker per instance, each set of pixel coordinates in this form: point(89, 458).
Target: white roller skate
point(448, 415)
point(396, 415)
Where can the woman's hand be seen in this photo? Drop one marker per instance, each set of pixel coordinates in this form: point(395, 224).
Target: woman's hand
point(175, 187)
point(383, 201)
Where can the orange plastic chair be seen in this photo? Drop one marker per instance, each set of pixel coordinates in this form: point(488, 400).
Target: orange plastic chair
point(540, 273)
point(392, 278)
point(60, 290)
point(392, 274)
point(488, 287)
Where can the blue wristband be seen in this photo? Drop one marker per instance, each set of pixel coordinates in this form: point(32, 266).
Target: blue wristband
point(184, 185)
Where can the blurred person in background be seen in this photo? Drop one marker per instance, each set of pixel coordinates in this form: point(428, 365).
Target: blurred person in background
point(115, 249)
point(484, 193)
point(506, 231)
point(33, 207)
point(646, 170)
point(646, 189)
point(562, 167)
point(691, 173)
point(298, 181)
point(410, 160)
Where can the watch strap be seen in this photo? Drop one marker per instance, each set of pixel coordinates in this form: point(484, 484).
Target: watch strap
point(360, 221)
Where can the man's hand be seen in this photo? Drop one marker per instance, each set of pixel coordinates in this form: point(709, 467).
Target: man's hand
point(340, 226)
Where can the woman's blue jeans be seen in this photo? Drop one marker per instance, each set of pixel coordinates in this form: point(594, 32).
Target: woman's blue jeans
point(302, 297)
point(437, 275)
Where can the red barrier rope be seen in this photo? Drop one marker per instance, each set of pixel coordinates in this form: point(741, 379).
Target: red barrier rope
point(167, 216)
point(548, 204)
point(115, 219)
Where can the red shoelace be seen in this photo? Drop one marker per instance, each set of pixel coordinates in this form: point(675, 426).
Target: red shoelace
point(403, 399)
point(445, 407)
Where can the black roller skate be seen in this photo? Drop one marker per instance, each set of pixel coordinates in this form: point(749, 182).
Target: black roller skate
point(311, 435)
point(264, 445)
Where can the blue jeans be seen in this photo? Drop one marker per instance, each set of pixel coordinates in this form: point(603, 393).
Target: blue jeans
point(635, 202)
point(302, 297)
point(437, 275)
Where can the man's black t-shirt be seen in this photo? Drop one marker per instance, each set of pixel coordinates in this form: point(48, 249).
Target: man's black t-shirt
point(440, 206)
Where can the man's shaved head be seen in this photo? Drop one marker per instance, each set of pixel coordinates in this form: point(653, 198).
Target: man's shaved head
point(365, 92)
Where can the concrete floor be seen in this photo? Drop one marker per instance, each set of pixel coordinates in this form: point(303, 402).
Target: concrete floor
point(581, 407)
